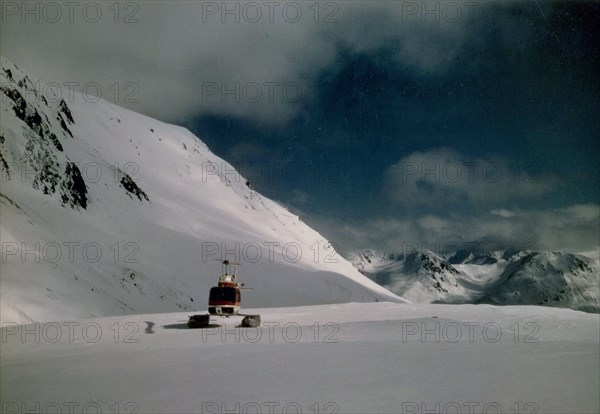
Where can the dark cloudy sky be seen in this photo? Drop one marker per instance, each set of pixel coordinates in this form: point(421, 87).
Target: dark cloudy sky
point(382, 124)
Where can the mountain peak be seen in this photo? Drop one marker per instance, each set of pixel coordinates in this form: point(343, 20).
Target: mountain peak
point(417, 276)
point(505, 277)
point(548, 279)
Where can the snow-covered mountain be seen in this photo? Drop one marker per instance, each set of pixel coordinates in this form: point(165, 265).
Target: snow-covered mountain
point(502, 277)
point(105, 211)
point(466, 256)
point(548, 279)
point(418, 276)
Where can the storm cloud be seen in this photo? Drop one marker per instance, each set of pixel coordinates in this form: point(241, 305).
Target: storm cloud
point(254, 60)
point(379, 122)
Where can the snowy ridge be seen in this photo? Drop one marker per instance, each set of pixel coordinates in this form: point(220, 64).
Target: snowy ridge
point(548, 279)
point(502, 277)
point(465, 256)
point(417, 276)
point(106, 211)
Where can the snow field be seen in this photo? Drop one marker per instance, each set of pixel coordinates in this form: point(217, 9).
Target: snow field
point(355, 357)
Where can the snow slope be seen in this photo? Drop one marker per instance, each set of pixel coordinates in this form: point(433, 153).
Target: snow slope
point(105, 211)
point(346, 358)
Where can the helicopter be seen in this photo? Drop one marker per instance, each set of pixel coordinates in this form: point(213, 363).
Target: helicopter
point(225, 300)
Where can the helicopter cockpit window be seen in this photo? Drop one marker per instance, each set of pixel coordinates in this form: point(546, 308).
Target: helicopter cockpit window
point(224, 294)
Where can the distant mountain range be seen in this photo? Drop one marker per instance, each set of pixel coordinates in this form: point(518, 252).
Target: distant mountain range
point(502, 277)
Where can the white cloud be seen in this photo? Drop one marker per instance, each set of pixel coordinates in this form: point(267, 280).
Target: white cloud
point(572, 229)
point(502, 212)
point(443, 177)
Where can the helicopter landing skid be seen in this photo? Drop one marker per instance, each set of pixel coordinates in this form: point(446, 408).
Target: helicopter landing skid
point(199, 321)
point(203, 321)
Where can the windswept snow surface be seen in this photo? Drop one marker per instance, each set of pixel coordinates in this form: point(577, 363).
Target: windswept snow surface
point(346, 358)
point(105, 212)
